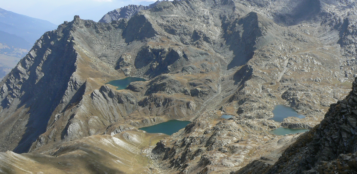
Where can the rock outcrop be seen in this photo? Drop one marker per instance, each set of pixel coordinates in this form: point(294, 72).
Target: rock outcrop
point(210, 144)
point(125, 12)
point(297, 123)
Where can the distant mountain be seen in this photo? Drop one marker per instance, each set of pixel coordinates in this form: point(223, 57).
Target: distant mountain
point(125, 12)
point(23, 26)
point(13, 45)
point(18, 33)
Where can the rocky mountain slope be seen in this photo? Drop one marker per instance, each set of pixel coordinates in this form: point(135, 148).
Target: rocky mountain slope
point(122, 13)
point(125, 12)
point(201, 59)
point(328, 148)
point(121, 153)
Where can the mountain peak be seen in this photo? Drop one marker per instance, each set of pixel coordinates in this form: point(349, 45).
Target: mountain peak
point(123, 13)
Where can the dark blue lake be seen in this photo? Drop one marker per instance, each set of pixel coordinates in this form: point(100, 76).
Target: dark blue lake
point(280, 112)
point(168, 128)
point(123, 83)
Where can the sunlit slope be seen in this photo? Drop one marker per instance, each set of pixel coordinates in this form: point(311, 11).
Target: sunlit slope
point(122, 153)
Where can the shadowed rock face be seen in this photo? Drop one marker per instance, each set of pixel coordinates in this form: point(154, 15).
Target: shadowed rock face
point(298, 11)
point(36, 81)
point(242, 40)
point(201, 59)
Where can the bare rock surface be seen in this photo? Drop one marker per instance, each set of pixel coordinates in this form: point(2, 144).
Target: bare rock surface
point(125, 12)
point(215, 145)
point(329, 147)
point(297, 123)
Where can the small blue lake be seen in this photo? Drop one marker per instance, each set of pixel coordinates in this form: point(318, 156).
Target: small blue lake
point(280, 112)
point(227, 116)
point(167, 128)
point(123, 83)
point(285, 131)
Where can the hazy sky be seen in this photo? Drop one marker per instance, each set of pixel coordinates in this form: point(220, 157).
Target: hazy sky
point(57, 11)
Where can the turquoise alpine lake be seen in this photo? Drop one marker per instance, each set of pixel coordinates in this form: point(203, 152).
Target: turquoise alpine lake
point(280, 112)
point(123, 83)
point(285, 131)
point(227, 116)
point(167, 128)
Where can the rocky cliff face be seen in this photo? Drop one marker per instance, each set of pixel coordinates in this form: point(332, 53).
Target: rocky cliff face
point(201, 59)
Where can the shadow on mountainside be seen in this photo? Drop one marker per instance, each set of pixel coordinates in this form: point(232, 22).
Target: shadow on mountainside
point(42, 97)
point(241, 35)
point(298, 11)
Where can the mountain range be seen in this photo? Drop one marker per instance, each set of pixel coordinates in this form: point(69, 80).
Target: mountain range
point(18, 33)
point(201, 59)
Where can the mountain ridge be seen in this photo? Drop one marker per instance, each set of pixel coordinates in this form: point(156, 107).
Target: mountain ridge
point(125, 12)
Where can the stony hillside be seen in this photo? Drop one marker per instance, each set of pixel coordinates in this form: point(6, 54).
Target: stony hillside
point(120, 153)
point(200, 59)
point(328, 148)
point(331, 146)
